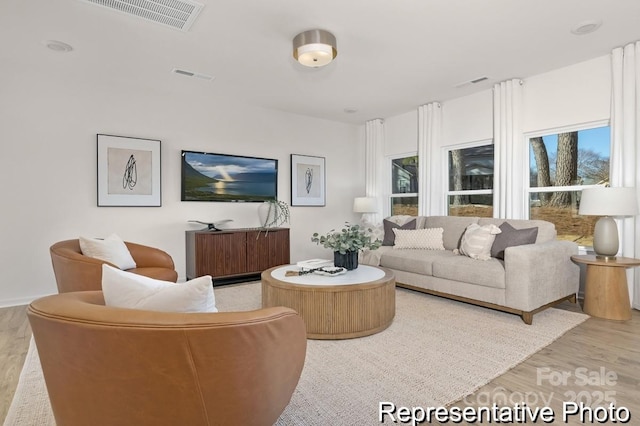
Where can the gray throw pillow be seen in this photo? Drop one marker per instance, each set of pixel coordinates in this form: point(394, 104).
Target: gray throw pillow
point(510, 237)
point(389, 235)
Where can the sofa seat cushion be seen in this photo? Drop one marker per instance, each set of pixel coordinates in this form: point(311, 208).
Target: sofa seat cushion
point(488, 273)
point(417, 261)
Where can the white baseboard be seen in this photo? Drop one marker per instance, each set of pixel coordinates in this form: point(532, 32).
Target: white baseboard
point(7, 303)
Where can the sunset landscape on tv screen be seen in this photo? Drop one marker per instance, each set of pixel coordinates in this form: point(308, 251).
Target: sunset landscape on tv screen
point(223, 177)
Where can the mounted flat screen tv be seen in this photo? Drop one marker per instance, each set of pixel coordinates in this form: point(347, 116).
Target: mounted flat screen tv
point(221, 177)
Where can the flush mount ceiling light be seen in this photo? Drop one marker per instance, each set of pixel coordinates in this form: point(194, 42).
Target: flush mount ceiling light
point(315, 48)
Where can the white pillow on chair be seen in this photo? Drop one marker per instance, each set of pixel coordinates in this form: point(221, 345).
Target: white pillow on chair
point(124, 289)
point(112, 249)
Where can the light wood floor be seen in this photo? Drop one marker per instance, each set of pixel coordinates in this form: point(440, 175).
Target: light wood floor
point(15, 334)
point(596, 363)
point(593, 347)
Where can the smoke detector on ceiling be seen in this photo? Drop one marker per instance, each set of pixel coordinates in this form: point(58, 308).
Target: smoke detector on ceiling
point(586, 27)
point(177, 14)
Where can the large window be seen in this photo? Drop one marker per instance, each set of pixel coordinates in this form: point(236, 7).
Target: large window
point(561, 164)
point(404, 185)
point(471, 181)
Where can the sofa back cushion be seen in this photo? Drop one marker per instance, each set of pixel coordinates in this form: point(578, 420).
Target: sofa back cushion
point(546, 230)
point(453, 226)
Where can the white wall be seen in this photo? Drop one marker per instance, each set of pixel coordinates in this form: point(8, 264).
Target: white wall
point(467, 119)
point(48, 127)
point(572, 95)
point(401, 134)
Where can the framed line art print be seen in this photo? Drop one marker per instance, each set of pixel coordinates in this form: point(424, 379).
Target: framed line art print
point(128, 172)
point(307, 180)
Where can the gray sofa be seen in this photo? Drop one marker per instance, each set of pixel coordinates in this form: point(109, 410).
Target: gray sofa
point(531, 277)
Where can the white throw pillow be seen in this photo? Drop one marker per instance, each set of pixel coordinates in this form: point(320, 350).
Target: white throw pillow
point(112, 249)
point(426, 238)
point(477, 241)
point(128, 290)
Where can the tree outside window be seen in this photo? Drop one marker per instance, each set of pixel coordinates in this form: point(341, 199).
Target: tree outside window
point(471, 181)
point(561, 165)
point(404, 186)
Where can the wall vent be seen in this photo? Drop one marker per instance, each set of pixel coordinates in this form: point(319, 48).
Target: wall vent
point(474, 81)
point(192, 74)
point(178, 14)
point(478, 80)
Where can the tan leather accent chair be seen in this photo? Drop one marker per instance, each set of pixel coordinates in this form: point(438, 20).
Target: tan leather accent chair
point(76, 272)
point(112, 366)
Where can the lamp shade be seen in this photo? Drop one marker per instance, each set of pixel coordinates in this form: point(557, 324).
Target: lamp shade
point(606, 201)
point(315, 48)
point(365, 205)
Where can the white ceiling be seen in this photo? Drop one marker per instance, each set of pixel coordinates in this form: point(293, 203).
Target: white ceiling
point(393, 55)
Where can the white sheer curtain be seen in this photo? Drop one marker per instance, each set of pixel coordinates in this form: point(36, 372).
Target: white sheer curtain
point(374, 143)
point(625, 155)
point(430, 187)
point(509, 147)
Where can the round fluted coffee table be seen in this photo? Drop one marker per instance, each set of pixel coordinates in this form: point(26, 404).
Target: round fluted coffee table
point(358, 303)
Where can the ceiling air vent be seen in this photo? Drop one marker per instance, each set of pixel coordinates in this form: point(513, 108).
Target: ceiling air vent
point(474, 81)
point(192, 74)
point(179, 14)
point(478, 80)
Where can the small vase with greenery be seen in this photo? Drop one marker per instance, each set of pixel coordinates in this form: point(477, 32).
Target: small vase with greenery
point(346, 244)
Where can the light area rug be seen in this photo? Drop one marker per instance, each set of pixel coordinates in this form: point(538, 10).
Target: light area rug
point(435, 352)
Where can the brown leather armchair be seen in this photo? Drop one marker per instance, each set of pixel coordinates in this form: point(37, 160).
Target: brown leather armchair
point(112, 366)
point(76, 272)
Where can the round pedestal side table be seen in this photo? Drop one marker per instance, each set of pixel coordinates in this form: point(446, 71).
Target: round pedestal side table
point(359, 303)
point(606, 294)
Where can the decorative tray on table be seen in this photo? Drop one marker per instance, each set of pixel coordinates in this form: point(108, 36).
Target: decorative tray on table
point(330, 271)
point(327, 271)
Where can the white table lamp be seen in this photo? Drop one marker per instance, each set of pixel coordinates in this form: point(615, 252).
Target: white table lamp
point(365, 205)
point(607, 202)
